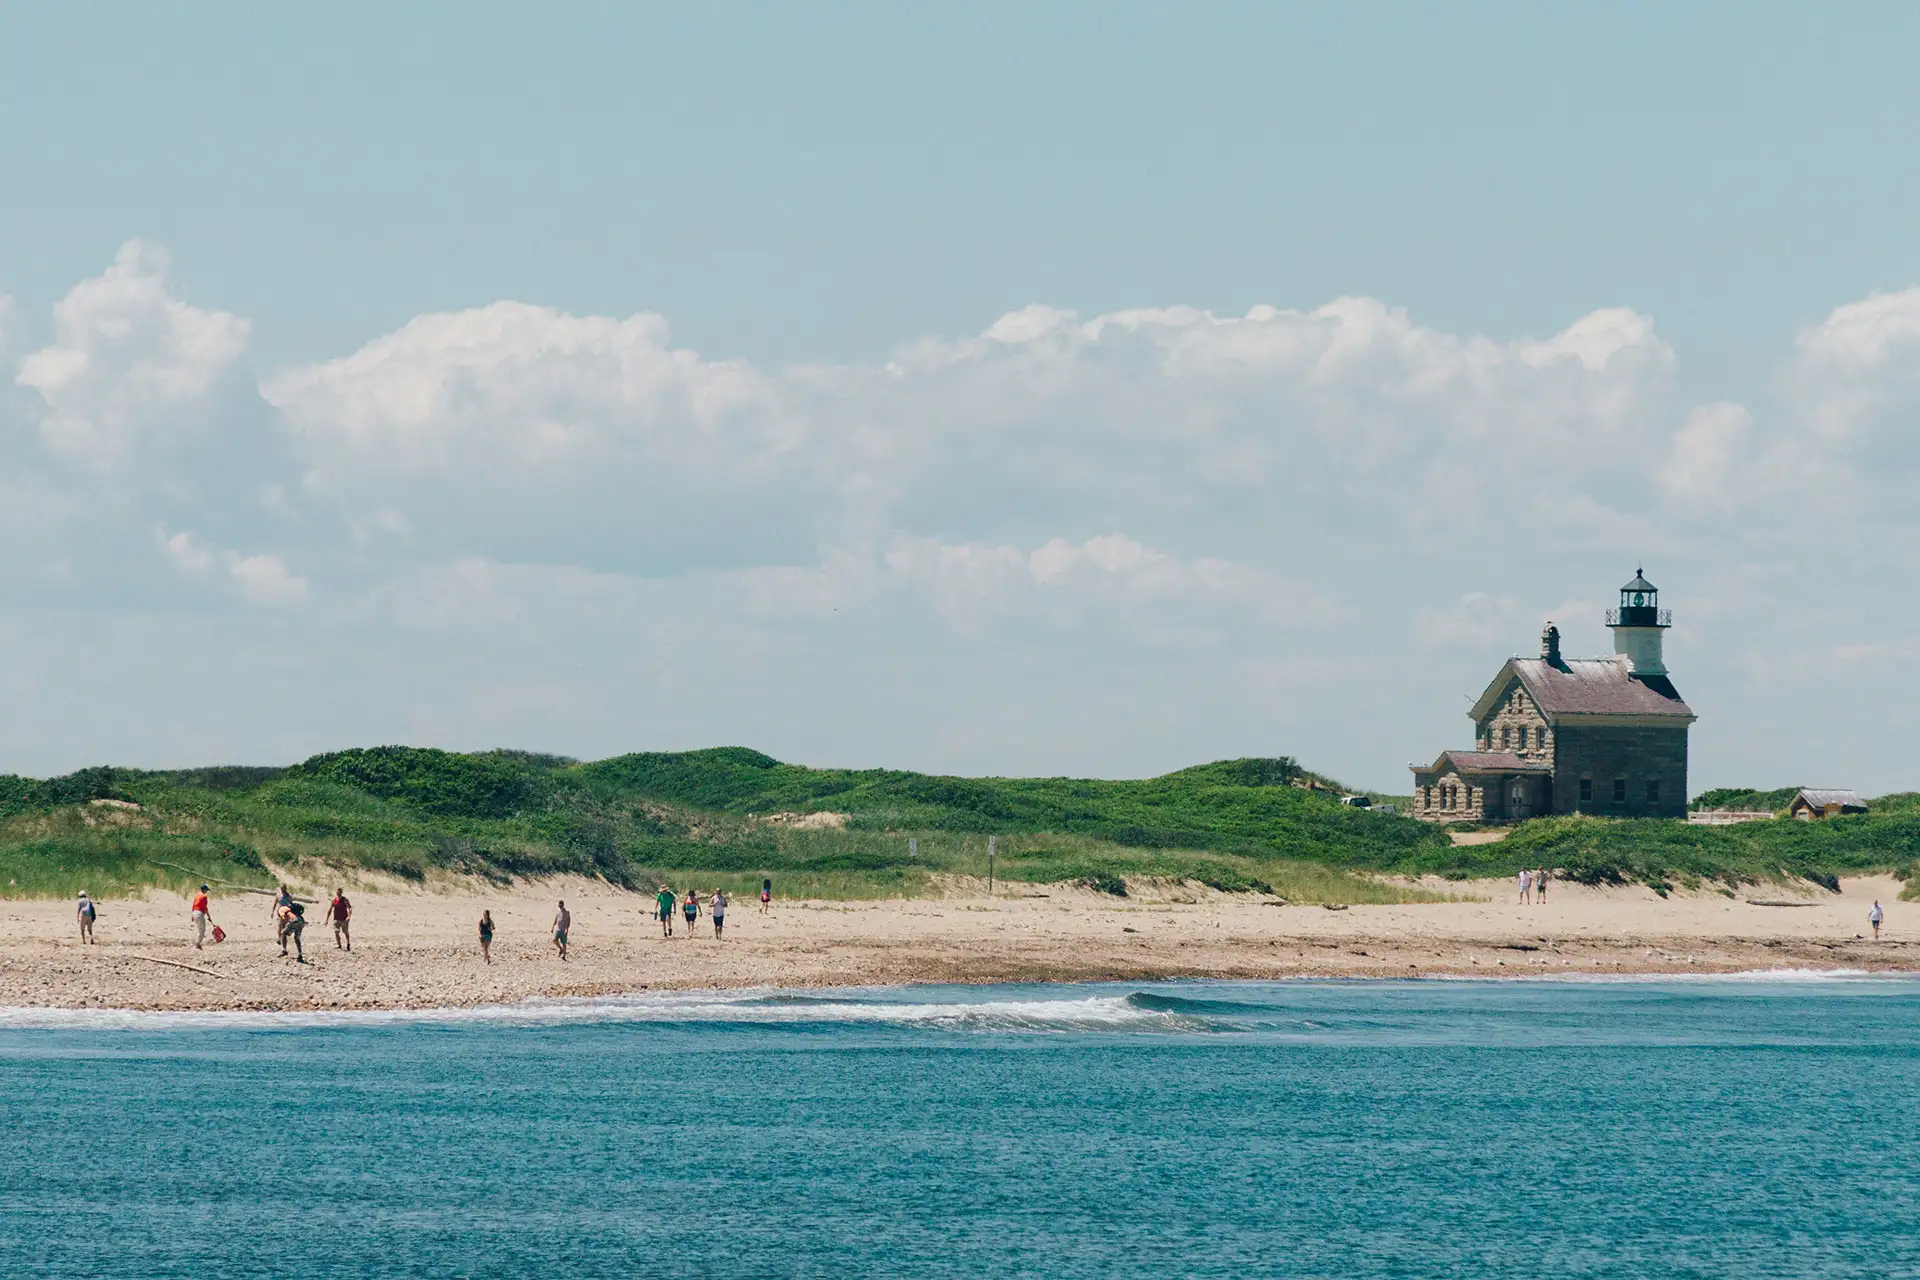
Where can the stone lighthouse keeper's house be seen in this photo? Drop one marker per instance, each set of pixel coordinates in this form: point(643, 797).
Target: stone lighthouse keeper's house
point(1572, 735)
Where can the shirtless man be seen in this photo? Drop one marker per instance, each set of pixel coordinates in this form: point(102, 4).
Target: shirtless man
point(562, 921)
point(291, 923)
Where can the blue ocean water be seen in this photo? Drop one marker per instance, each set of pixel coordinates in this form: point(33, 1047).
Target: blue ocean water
point(1738, 1128)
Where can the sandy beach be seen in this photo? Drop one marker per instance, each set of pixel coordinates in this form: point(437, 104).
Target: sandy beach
point(416, 948)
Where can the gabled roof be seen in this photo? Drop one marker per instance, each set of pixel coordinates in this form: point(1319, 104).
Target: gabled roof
point(1587, 687)
point(1487, 762)
point(1822, 797)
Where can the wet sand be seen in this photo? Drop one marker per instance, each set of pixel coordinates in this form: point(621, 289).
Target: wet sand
point(416, 948)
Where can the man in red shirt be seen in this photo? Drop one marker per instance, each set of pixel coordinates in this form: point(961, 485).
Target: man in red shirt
point(340, 911)
point(202, 917)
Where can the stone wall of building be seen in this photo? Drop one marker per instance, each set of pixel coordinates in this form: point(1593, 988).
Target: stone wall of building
point(1637, 755)
point(1516, 725)
point(1447, 798)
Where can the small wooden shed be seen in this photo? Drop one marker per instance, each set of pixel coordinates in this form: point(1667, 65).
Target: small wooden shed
point(1824, 802)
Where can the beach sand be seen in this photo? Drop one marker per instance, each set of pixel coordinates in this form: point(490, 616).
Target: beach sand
point(416, 948)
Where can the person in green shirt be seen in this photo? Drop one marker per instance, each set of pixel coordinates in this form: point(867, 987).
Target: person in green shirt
point(665, 902)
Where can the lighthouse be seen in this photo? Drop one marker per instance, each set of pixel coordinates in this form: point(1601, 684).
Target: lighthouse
point(1555, 734)
point(1638, 625)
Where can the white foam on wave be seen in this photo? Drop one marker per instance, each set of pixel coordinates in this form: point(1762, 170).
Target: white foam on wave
point(759, 1007)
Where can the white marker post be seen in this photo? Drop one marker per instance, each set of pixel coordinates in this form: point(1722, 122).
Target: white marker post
point(993, 843)
point(913, 847)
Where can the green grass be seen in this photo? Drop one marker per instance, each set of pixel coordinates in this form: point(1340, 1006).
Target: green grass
point(700, 817)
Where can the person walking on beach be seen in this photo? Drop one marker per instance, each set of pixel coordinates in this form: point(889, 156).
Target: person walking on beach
point(1526, 884)
point(292, 923)
point(691, 909)
point(202, 917)
point(1874, 918)
point(340, 911)
point(719, 912)
point(1540, 885)
point(562, 921)
point(486, 936)
point(766, 895)
point(85, 912)
point(663, 904)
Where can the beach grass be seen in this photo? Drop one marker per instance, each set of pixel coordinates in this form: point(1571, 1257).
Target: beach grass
point(729, 817)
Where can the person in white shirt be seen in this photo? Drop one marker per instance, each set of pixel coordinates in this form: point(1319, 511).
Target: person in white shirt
point(1874, 917)
point(1526, 884)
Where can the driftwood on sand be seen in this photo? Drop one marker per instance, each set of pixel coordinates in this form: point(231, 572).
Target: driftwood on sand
point(190, 968)
point(227, 884)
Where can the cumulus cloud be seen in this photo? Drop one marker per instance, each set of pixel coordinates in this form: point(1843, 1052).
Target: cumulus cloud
point(1281, 530)
point(262, 578)
point(1710, 456)
point(129, 357)
point(1854, 384)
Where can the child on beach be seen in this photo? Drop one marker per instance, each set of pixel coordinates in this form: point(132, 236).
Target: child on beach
point(766, 896)
point(562, 921)
point(202, 917)
point(84, 911)
point(340, 911)
point(486, 936)
point(691, 909)
point(719, 912)
point(663, 905)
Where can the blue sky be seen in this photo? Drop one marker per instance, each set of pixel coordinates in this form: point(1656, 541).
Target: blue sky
point(377, 431)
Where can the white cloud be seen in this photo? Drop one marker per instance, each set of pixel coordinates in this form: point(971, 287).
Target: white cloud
point(266, 578)
point(262, 578)
point(1115, 541)
point(189, 553)
point(129, 357)
point(1854, 387)
point(1710, 459)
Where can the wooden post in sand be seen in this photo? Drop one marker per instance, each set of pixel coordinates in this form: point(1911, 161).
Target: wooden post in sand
point(993, 843)
point(913, 847)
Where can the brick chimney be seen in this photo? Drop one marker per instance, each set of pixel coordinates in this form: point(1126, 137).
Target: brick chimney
point(1550, 645)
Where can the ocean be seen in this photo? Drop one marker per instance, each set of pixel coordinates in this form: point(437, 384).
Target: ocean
point(1738, 1127)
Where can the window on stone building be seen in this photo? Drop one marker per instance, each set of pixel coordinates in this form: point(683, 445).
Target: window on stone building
point(1506, 736)
point(1523, 737)
point(1653, 791)
point(1586, 791)
point(1619, 790)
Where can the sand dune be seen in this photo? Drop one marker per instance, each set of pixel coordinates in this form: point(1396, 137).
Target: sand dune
point(417, 948)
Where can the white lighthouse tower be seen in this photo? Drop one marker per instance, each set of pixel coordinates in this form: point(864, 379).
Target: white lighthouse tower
point(1638, 625)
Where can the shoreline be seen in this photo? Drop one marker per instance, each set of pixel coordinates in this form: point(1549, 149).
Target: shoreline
point(414, 948)
point(545, 1010)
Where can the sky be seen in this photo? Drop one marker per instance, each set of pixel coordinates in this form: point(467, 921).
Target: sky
point(1071, 389)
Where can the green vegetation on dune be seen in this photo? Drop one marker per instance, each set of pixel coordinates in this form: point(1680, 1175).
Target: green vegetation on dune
point(723, 815)
point(1663, 853)
point(729, 816)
